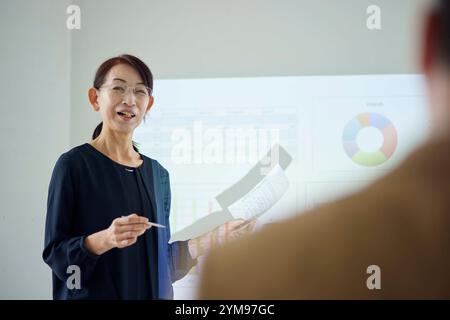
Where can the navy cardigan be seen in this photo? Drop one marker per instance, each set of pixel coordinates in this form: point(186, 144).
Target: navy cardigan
point(84, 196)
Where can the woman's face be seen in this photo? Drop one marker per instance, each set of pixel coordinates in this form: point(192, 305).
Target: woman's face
point(122, 100)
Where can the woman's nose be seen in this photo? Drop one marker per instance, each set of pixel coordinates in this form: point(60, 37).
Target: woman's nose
point(129, 98)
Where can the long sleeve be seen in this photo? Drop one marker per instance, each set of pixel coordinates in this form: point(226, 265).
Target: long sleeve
point(179, 257)
point(62, 246)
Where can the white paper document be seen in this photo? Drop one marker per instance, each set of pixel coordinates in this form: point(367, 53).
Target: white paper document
point(250, 197)
point(262, 197)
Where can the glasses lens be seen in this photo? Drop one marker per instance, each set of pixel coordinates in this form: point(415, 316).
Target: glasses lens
point(142, 91)
point(118, 89)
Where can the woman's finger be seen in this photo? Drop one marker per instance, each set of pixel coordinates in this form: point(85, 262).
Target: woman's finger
point(133, 227)
point(132, 219)
point(128, 235)
point(127, 242)
point(251, 225)
point(240, 225)
point(243, 229)
point(230, 225)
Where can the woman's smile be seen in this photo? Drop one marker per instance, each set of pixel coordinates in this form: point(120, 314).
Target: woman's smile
point(125, 115)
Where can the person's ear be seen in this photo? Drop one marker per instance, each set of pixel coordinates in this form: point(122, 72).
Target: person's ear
point(429, 41)
point(93, 98)
point(150, 104)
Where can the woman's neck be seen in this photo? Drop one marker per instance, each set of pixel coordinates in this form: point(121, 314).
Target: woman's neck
point(116, 146)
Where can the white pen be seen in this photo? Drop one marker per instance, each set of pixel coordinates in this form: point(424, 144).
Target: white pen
point(157, 225)
point(153, 224)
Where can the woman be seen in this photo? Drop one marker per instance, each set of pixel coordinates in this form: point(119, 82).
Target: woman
point(104, 198)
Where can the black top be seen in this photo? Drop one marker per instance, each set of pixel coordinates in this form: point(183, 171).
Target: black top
point(131, 267)
point(113, 190)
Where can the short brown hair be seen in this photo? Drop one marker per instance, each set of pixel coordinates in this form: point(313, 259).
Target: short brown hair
point(442, 12)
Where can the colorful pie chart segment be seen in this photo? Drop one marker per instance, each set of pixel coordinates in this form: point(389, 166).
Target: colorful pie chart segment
point(364, 158)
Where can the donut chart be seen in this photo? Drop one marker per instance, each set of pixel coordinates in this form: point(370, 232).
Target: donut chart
point(364, 158)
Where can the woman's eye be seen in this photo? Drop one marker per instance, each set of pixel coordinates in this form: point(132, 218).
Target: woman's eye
point(120, 89)
point(141, 92)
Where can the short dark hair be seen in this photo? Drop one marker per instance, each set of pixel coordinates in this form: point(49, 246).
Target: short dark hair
point(442, 12)
point(134, 62)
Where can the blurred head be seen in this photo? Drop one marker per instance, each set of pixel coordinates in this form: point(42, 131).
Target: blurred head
point(436, 64)
point(122, 93)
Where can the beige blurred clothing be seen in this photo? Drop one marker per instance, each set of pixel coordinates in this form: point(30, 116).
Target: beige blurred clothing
point(400, 223)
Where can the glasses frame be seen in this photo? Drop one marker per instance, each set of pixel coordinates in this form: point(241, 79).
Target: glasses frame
point(127, 88)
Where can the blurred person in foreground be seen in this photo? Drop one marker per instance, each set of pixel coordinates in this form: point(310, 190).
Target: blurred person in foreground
point(400, 223)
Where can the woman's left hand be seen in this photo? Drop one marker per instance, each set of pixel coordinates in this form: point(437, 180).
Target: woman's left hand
point(228, 231)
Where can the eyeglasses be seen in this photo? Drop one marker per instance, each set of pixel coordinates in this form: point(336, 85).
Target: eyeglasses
point(120, 90)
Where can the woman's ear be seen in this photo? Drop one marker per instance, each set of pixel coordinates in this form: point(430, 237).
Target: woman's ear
point(93, 97)
point(150, 104)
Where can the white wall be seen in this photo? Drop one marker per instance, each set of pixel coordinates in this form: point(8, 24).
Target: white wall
point(235, 38)
point(46, 71)
point(34, 126)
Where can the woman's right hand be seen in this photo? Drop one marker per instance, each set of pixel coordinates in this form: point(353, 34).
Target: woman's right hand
point(122, 232)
